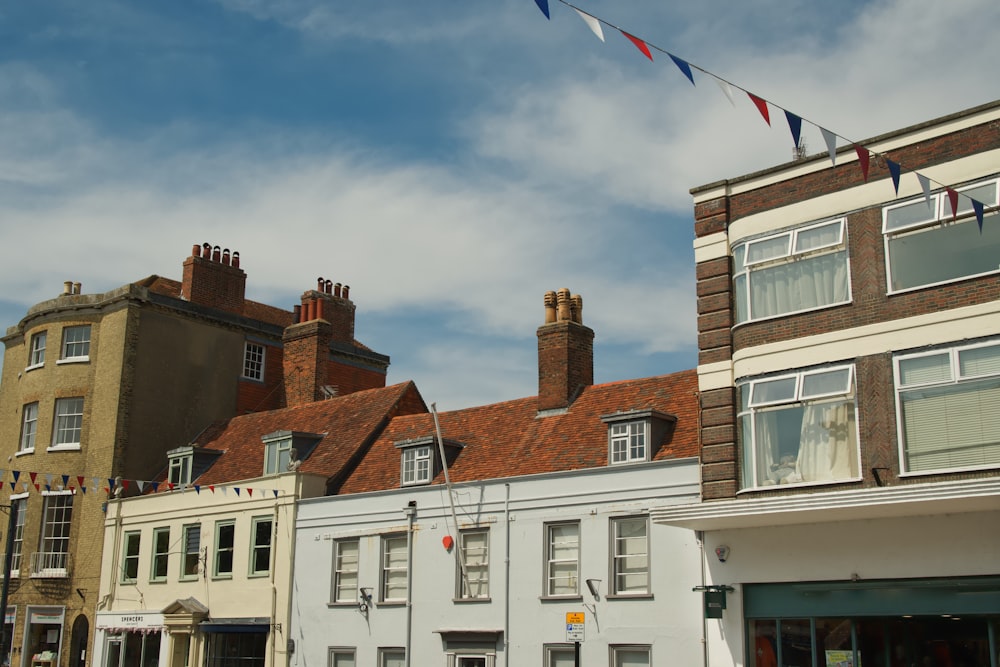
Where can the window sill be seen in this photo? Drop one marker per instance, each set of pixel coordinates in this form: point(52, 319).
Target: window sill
point(257, 380)
point(34, 367)
point(65, 447)
point(222, 577)
point(485, 600)
point(800, 485)
point(947, 471)
point(258, 575)
point(561, 598)
point(391, 603)
point(626, 596)
point(191, 577)
point(25, 452)
point(158, 581)
point(348, 604)
point(73, 360)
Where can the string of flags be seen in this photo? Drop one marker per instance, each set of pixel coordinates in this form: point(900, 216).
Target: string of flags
point(59, 482)
point(794, 120)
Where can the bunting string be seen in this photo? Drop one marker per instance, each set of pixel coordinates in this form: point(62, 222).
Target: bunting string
point(794, 120)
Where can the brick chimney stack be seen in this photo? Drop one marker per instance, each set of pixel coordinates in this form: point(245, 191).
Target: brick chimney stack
point(213, 278)
point(565, 351)
point(326, 315)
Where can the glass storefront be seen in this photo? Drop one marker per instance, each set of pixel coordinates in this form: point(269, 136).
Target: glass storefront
point(894, 623)
point(133, 649)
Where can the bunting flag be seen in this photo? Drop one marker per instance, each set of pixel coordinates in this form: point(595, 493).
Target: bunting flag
point(639, 44)
point(761, 105)
point(953, 198)
point(16, 474)
point(139, 484)
point(211, 487)
point(250, 492)
point(795, 125)
point(155, 485)
point(197, 489)
point(794, 120)
point(683, 66)
point(33, 476)
point(237, 490)
point(592, 23)
point(863, 160)
point(80, 482)
point(275, 491)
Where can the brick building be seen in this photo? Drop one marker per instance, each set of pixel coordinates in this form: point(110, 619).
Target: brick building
point(101, 386)
point(849, 376)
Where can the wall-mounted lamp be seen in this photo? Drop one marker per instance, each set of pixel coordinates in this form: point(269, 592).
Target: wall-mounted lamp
point(722, 553)
point(364, 600)
point(594, 586)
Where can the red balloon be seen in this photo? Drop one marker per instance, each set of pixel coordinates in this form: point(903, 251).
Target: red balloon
point(448, 542)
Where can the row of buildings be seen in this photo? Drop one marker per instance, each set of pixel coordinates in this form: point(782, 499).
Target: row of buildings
point(198, 480)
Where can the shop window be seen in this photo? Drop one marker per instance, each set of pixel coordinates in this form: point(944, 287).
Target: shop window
point(236, 649)
point(345, 571)
point(630, 556)
point(130, 557)
point(947, 404)
point(260, 548)
point(394, 572)
point(795, 270)
point(161, 554)
point(799, 428)
point(927, 244)
point(562, 559)
point(130, 649)
point(474, 575)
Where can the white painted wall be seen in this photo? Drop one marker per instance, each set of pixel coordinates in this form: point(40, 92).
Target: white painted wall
point(670, 620)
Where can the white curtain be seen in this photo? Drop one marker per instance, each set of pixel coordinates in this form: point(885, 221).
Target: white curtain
point(827, 449)
point(799, 285)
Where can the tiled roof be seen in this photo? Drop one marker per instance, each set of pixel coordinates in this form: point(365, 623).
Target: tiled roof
point(510, 439)
point(347, 423)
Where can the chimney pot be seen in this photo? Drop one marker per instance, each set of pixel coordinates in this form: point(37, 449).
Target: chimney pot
point(550, 307)
point(319, 284)
point(76, 288)
point(564, 310)
point(336, 290)
point(67, 287)
point(225, 256)
point(236, 260)
point(196, 250)
point(318, 304)
point(206, 250)
point(346, 291)
point(296, 314)
point(216, 254)
point(578, 309)
point(328, 287)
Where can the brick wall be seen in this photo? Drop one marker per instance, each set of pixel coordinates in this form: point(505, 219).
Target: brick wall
point(565, 363)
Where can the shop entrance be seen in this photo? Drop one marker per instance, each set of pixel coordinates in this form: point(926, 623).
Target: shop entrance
point(132, 649)
point(43, 636)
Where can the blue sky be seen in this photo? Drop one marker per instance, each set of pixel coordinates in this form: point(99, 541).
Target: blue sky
point(451, 162)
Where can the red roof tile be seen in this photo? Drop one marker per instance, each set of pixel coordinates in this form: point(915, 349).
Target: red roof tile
point(510, 439)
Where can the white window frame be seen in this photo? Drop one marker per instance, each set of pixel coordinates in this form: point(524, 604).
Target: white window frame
point(618, 652)
point(556, 562)
point(628, 441)
point(628, 565)
point(75, 344)
point(393, 562)
point(67, 424)
point(939, 215)
point(52, 557)
point(179, 468)
point(346, 558)
point(131, 545)
point(744, 269)
point(29, 428)
point(257, 547)
point(36, 351)
point(558, 650)
point(334, 653)
point(385, 654)
point(277, 454)
point(190, 551)
point(254, 355)
point(160, 554)
point(752, 404)
point(956, 379)
point(223, 550)
point(477, 564)
point(417, 465)
point(19, 504)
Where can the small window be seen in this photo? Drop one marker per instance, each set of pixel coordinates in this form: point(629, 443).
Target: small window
point(628, 441)
point(394, 573)
point(341, 657)
point(797, 270)
point(417, 465)
point(179, 468)
point(225, 539)
point(19, 506)
point(260, 549)
point(161, 552)
point(29, 426)
point(253, 361)
point(562, 559)
point(947, 405)
point(799, 428)
point(36, 354)
point(130, 557)
point(345, 571)
point(929, 244)
point(474, 551)
point(192, 551)
point(557, 655)
point(68, 422)
point(630, 656)
point(76, 343)
point(391, 657)
point(630, 556)
point(277, 455)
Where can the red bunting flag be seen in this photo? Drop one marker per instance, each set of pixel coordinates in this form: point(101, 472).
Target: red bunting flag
point(863, 160)
point(211, 487)
point(32, 475)
point(639, 44)
point(80, 481)
point(250, 492)
point(761, 105)
point(953, 198)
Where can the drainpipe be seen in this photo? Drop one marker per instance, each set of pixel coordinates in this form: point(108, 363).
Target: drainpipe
point(506, 576)
point(410, 511)
point(700, 538)
point(274, 590)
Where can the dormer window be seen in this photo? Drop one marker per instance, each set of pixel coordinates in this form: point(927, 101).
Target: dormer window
point(635, 436)
point(284, 450)
point(420, 461)
point(179, 467)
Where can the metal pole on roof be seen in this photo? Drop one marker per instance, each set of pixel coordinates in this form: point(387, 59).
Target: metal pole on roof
point(451, 499)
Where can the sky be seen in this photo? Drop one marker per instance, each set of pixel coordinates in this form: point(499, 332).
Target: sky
point(451, 162)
